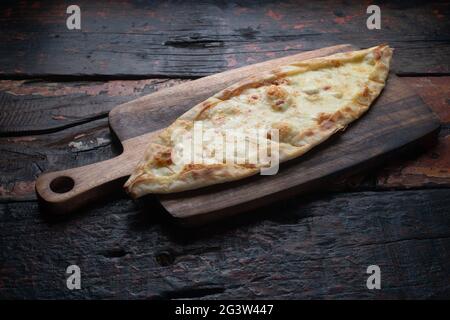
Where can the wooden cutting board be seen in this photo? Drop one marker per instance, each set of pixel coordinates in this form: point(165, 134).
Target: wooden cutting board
point(399, 117)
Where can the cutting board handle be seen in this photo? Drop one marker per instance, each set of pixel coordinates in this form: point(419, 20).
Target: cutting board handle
point(61, 192)
point(65, 191)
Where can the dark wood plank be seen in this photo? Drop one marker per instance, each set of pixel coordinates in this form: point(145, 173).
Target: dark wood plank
point(38, 106)
point(423, 169)
point(191, 39)
point(55, 153)
point(310, 247)
point(430, 166)
point(435, 91)
point(23, 159)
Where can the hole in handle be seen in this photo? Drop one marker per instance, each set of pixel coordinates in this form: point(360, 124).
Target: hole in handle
point(62, 184)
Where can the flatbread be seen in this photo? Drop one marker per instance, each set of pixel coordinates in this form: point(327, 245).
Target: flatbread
point(305, 102)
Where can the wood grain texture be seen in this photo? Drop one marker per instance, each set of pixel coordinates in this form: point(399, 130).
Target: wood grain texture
point(430, 166)
point(23, 159)
point(134, 123)
point(38, 106)
point(430, 169)
point(399, 118)
point(309, 247)
point(191, 39)
point(435, 91)
point(91, 141)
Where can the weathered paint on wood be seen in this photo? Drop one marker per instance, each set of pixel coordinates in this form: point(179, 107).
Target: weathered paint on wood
point(424, 169)
point(435, 91)
point(429, 166)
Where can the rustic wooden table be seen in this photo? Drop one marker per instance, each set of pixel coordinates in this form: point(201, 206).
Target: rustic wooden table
point(58, 86)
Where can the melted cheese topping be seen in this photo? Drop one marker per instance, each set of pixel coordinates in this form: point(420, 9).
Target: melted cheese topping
point(299, 103)
point(306, 102)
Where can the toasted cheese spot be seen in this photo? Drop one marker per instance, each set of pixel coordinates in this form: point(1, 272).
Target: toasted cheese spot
point(327, 88)
point(348, 111)
point(163, 158)
point(194, 170)
point(377, 54)
point(205, 107)
point(338, 115)
point(248, 165)
point(199, 170)
point(379, 76)
point(284, 130)
point(321, 117)
point(365, 97)
point(226, 94)
point(279, 98)
point(252, 99)
point(366, 92)
point(192, 167)
point(279, 105)
point(233, 91)
point(240, 87)
point(219, 119)
point(184, 124)
point(327, 125)
point(275, 92)
point(336, 63)
point(281, 81)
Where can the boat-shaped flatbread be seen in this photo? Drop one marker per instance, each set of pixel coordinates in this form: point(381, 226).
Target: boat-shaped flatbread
point(289, 110)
